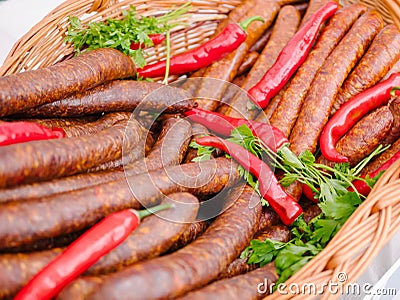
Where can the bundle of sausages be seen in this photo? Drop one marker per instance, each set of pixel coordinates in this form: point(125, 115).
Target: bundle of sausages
point(51, 191)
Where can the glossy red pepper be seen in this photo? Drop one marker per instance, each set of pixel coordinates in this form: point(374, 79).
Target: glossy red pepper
point(351, 112)
point(271, 136)
point(84, 252)
point(284, 205)
point(290, 58)
point(211, 51)
point(156, 38)
point(364, 188)
point(20, 132)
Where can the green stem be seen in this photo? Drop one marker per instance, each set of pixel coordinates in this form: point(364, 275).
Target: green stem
point(152, 210)
point(244, 24)
point(168, 61)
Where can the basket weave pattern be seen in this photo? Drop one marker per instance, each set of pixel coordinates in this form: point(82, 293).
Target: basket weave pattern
point(368, 229)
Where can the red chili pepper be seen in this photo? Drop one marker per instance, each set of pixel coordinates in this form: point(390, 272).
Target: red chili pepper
point(84, 252)
point(364, 188)
point(290, 58)
point(271, 136)
point(211, 51)
point(156, 38)
point(284, 205)
point(351, 112)
point(309, 193)
point(20, 132)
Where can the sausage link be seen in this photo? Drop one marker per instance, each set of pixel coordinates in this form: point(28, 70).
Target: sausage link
point(26, 222)
point(268, 218)
point(318, 104)
point(379, 59)
point(260, 44)
point(230, 93)
point(95, 126)
point(394, 133)
point(247, 63)
point(198, 130)
point(285, 27)
point(33, 88)
point(319, 101)
point(57, 122)
point(225, 69)
point(118, 95)
point(382, 158)
point(238, 287)
point(313, 6)
point(234, 16)
point(49, 159)
point(285, 115)
point(364, 137)
point(279, 233)
point(154, 236)
point(170, 148)
point(191, 233)
point(192, 266)
point(168, 151)
point(311, 211)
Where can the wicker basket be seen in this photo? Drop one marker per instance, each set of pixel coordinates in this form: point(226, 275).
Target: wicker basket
point(368, 229)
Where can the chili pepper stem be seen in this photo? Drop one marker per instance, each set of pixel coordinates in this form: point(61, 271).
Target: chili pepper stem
point(168, 61)
point(152, 210)
point(244, 24)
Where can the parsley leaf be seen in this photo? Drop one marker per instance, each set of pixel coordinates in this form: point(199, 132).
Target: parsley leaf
point(120, 34)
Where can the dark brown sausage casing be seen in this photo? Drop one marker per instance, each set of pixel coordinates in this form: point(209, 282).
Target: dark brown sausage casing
point(154, 236)
point(284, 28)
point(168, 151)
point(95, 126)
point(192, 266)
point(379, 59)
point(319, 101)
point(285, 114)
point(33, 88)
point(247, 63)
point(26, 222)
point(118, 95)
point(226, 69)
point(239, 287)
point(394, 133)
point(49, 159)
point(365, 136)
point(381, 159)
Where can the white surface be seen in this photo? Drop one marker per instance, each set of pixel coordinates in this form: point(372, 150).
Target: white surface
point(18, 16)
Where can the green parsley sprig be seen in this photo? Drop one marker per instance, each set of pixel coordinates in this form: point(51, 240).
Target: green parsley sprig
point(119, 34)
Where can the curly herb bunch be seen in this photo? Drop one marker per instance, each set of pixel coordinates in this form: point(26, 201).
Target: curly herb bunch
point(120, 34)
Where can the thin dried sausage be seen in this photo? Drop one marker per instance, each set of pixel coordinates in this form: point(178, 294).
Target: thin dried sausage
point(319, 101)
point(364, 137)
point(288, 108)
point(238, 287)
point(168, 151)
point(285, 27)
point(225, 69)
point(154, 236)
point(379, 59)
point(26, 222)
point(118, 95)
point(33, 88)
point(49, 159)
